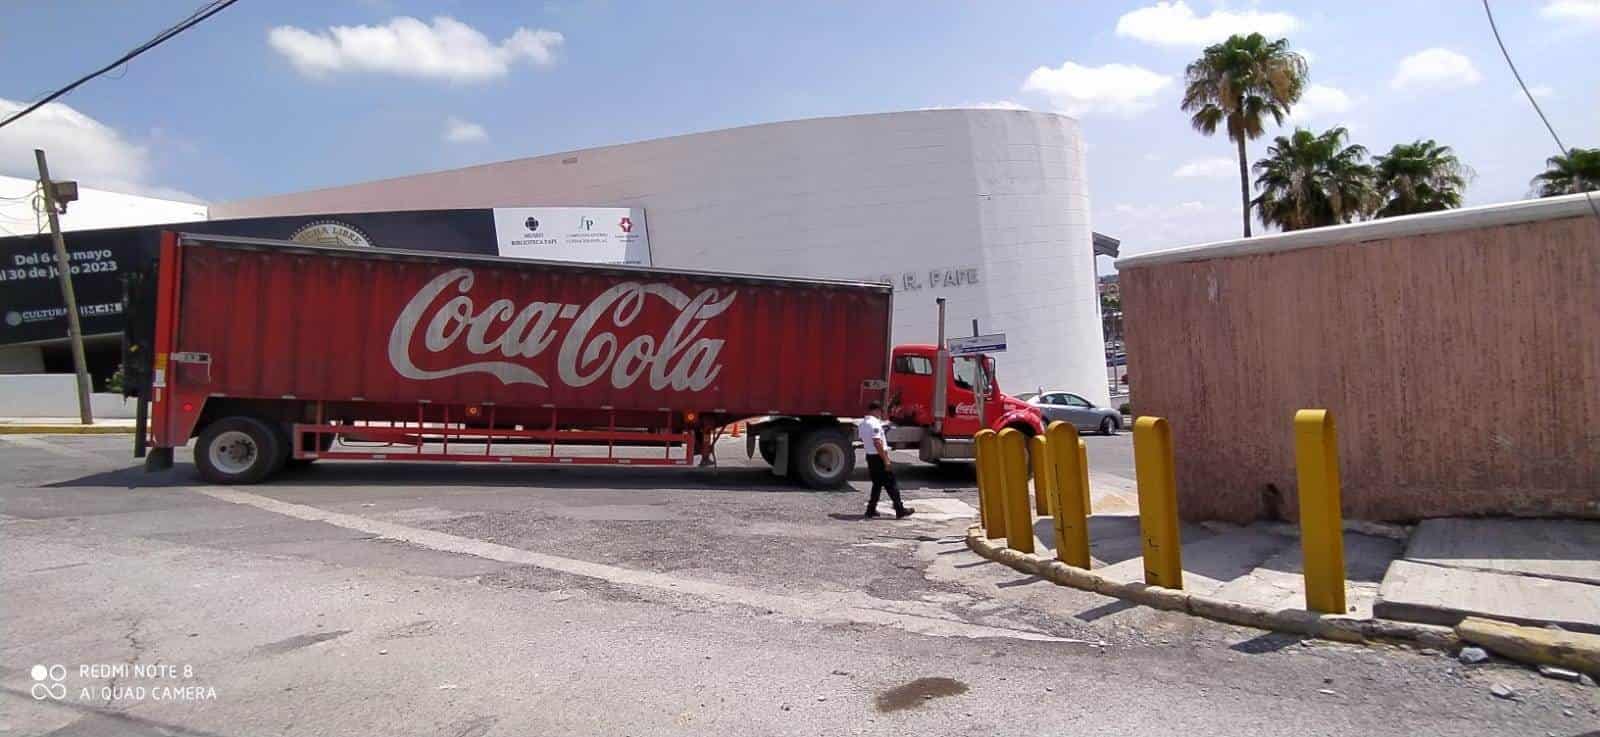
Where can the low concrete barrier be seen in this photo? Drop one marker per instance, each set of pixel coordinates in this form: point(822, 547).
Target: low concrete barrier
point(55, 395)
point(1294, 621)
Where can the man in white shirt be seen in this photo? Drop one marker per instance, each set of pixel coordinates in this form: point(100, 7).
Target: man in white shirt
point(875, 442)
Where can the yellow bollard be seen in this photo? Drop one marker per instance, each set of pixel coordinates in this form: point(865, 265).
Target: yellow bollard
point(1014, 490)
point(1316, 458)
point(991, 510)
point(1158, 502)
point(1083, 462)
point(1039, 456)
point(1071, 522)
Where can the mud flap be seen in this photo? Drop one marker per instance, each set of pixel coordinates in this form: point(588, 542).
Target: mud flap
point(780, 463)
point(158, 459)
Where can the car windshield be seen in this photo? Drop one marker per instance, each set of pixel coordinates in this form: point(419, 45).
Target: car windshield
point(1026, 396)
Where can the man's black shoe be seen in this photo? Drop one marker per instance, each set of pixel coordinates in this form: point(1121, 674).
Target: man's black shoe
point(871, 514)
point(904, 513)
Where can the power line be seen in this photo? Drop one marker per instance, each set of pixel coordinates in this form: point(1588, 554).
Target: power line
point(1587, 196)
point(195, 18)
point(19, 198)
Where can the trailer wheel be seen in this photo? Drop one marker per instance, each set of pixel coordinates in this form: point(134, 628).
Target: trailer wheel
point(238, 450)
point(824, 458)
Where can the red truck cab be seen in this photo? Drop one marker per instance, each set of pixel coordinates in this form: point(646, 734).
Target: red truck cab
point(942, 427)
point(933, 406)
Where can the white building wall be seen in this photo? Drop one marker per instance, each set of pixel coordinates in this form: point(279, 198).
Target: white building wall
point(20, 213)
point(995, 194)
point(56, 395)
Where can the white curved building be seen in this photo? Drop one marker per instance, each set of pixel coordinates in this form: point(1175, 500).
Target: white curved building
point(987, 208)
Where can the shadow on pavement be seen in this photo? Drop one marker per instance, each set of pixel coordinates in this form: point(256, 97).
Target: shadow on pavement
point(1105, 610)
point(401, 474)
point(1270, 642)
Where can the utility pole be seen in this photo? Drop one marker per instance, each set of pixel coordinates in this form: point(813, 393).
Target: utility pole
point(64, 271)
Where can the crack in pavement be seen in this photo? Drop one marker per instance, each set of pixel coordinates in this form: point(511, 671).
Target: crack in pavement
point(1540, 575)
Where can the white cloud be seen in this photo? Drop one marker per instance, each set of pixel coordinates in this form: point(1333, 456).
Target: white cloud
point(457, 130)
point(448, 49)
point(1586, 12)
point(1117, 89)
point(1176, 24)
point(1538, 90)
point(1156, 226)
point(1436, 69)
point(1219, 167)
point(79, 147)
point(1320, 100)
point(1192, 207)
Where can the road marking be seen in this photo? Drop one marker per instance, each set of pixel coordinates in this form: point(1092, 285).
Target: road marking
point(855, 608)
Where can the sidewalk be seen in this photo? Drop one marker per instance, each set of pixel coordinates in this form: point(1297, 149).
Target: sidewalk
point(61, 426)
point(1529, 571)
point(1533, 572)
point(1259, 565)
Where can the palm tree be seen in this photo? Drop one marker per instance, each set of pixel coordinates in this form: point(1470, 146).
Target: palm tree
point(1310, 180)
point(1422, 176)
point(1237, 84)
point(1577, 171)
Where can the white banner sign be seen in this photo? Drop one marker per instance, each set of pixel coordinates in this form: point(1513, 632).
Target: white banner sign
point(974, 345)
point(602, 235)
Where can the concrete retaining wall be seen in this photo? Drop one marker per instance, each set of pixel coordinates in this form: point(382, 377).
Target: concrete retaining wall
point(1459, 353)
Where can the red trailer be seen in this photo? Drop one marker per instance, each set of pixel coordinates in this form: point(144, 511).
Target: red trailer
point(266, 351)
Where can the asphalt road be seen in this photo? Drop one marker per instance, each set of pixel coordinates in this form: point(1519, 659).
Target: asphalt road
point(403, 599)
point(1112, 454)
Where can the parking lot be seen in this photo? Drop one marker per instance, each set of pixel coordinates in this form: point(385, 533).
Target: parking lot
point(473, 600)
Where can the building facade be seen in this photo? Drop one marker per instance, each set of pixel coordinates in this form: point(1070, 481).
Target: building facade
point(986, 208)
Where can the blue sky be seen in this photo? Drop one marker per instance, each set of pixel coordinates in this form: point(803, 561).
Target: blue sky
point(275, 96)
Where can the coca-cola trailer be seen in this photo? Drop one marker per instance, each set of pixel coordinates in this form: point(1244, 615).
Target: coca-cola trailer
point(268, 351)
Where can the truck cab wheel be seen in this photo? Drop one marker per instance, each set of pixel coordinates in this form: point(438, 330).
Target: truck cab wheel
point(824, 458)
point(238, 450)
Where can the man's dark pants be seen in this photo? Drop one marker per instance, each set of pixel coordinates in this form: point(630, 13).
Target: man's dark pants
point(882, 478)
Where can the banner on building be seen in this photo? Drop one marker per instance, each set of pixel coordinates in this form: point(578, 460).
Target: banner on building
point(603, 235)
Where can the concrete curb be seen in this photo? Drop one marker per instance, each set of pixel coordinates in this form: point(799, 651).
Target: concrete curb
point(1294, 621)
point(21, 429)
point(1572, 650)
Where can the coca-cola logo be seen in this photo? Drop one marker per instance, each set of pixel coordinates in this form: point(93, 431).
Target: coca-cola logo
point(679, 359)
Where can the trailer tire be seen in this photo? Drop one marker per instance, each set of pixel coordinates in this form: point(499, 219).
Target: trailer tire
point(238, 450)
point(824, 458)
